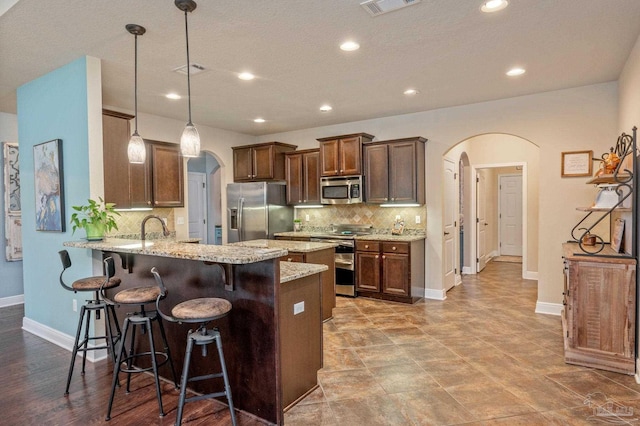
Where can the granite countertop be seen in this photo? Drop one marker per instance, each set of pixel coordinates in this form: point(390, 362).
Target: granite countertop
point(203, 252)
point(369, 237)
point(295, 246)
point(290, 271)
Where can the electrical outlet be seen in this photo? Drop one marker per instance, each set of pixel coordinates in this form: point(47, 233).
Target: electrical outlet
point(306, 217)
point(298, 308)
point(180, 220)
point(75, 305)
point(417, 219)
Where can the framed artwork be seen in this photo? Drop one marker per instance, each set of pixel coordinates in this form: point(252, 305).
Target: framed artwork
point(12, 209)
point(577, 163)
point(47, 161)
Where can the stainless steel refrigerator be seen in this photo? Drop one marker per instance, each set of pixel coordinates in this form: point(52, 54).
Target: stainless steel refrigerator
point(257, 210)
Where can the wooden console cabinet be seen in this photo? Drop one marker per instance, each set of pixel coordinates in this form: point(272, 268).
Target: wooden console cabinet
point(390, 270)
point(598, 319)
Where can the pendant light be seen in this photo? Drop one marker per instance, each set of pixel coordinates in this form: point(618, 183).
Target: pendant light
point(190, 140)
point(136, 150)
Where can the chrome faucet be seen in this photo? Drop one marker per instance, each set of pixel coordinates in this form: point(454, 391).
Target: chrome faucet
point(165, 230)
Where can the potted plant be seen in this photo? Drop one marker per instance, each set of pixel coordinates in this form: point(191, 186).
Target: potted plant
point(297, 224)
point(96, 218)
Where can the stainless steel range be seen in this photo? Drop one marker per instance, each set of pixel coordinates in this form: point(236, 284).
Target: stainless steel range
point(343, 235)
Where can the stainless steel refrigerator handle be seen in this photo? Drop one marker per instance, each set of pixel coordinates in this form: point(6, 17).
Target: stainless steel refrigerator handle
point(240, 224)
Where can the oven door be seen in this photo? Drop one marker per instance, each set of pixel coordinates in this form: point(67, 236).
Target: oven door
point(344, 265)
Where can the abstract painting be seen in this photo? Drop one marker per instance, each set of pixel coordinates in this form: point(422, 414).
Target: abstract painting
point(47, 161)
point(12, 209)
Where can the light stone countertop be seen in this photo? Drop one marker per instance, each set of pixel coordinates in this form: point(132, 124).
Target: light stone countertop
point(295, 246)
point(203, 252)
point(290, 271)
point(369, 237)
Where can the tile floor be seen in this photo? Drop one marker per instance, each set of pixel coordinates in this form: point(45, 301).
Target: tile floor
point(480, 357)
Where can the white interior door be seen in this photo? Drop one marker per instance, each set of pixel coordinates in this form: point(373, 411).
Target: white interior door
point(481, 221)
point(510, 215)
point(449, 225)
point(197, 187)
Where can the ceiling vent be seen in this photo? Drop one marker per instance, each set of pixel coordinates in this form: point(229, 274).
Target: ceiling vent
point(195, 69)
point(379, 7)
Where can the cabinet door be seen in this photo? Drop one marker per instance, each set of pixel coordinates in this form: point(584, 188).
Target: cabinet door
point(263, 162)
point(293, 165)
point(350, 156)
point(376, 171)
point(368, 275)
point(603, 308)
point(242, 165)
point(167, 175)
point(115, 133)
point(329, 158)
point(311, 177)
point(140, 182)
point(395, 274)
point(402, 172)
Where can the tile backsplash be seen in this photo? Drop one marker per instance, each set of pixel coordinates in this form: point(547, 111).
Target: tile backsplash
point(363, 214)
point(129, 222)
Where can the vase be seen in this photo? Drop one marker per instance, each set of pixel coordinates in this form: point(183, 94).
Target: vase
point(95, 232)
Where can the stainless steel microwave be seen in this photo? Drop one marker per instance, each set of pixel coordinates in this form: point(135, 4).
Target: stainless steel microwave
point(341, 190)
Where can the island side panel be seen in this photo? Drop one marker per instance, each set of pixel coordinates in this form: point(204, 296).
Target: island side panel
point(250, 333)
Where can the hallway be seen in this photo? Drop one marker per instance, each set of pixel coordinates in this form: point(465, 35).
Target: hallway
point(481, 357)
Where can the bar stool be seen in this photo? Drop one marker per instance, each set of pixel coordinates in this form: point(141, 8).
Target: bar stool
point(139, 296)
point(96, 305)
point(198, 311)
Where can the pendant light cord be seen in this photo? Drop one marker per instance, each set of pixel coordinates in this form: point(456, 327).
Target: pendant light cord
point(186, 31)
point(135, 78)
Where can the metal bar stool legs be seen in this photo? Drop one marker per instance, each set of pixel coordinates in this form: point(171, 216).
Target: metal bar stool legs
point(204, 337)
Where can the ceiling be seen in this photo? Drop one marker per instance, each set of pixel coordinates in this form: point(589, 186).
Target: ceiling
point(447, 49)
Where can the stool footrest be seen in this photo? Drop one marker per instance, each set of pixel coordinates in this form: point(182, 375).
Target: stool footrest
point(205, 377)
point(207, 396)
point(139, 369)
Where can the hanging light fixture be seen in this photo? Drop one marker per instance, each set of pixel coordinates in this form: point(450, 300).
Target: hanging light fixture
point(190, 140)
point(136, 150)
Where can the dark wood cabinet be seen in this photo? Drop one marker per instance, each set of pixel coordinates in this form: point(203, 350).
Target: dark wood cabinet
point(159, 182)
point(302, 173)
point(342, 155)
point(598, 319)
point(395, 171)
point(260, 162)
point(390, 270)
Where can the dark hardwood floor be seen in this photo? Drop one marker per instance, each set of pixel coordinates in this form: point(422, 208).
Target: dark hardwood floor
point(32, 379)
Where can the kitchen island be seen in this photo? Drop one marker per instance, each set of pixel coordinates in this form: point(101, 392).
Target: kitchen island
point(261, 334)
point(307, 252)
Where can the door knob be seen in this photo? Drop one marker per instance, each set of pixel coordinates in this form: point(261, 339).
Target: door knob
point(446, 233)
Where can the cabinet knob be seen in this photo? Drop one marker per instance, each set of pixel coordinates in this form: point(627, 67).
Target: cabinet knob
point(393, 199)
point(393, 248)
point(377, 256)
point(341, 170)
point(149, 202)
point(384, 257)
point(366, 246)
point(289, 259)
point(248, 176)
point(305, 201)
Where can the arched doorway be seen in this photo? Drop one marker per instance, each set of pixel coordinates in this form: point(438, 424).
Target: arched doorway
point(205, 198)
point(488, 158)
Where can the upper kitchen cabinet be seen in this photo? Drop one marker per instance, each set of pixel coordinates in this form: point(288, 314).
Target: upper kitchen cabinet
point(260, 162)
point(342, 155)
point(302, 173)
point(159, 182)
point(394, 171)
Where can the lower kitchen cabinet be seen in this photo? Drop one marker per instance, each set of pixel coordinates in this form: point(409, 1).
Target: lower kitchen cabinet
point(328, 277)
point(599, 313)
point(390, 270)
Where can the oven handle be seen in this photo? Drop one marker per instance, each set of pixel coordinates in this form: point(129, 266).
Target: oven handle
point(343, 262)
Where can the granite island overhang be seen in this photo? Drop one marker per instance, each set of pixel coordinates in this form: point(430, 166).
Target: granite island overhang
point(255, 344)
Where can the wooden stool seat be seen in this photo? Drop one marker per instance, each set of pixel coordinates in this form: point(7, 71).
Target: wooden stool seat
point(137, 295)
point(201, 310)
point(94, 283)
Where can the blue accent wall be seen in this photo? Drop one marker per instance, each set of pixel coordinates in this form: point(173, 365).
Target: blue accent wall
point(54, 106)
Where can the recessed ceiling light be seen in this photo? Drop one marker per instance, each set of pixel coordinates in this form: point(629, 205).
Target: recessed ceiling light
point(513, 72)
point(494, 5)
point(259, 120)
point(326, 108)
point(173, 96)
point(411, 92)
point(246, 76)
point(349, 46)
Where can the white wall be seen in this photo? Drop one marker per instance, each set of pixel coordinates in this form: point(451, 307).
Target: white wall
point(576, 119)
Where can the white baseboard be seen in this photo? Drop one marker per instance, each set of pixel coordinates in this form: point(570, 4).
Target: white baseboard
point(11, 300)
point(530, 275)
point(458, 280)
point(58, 338)
point(549, 308)
point(430, 293)
point(637, 375)
point(493, 254)
point(466, 270)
